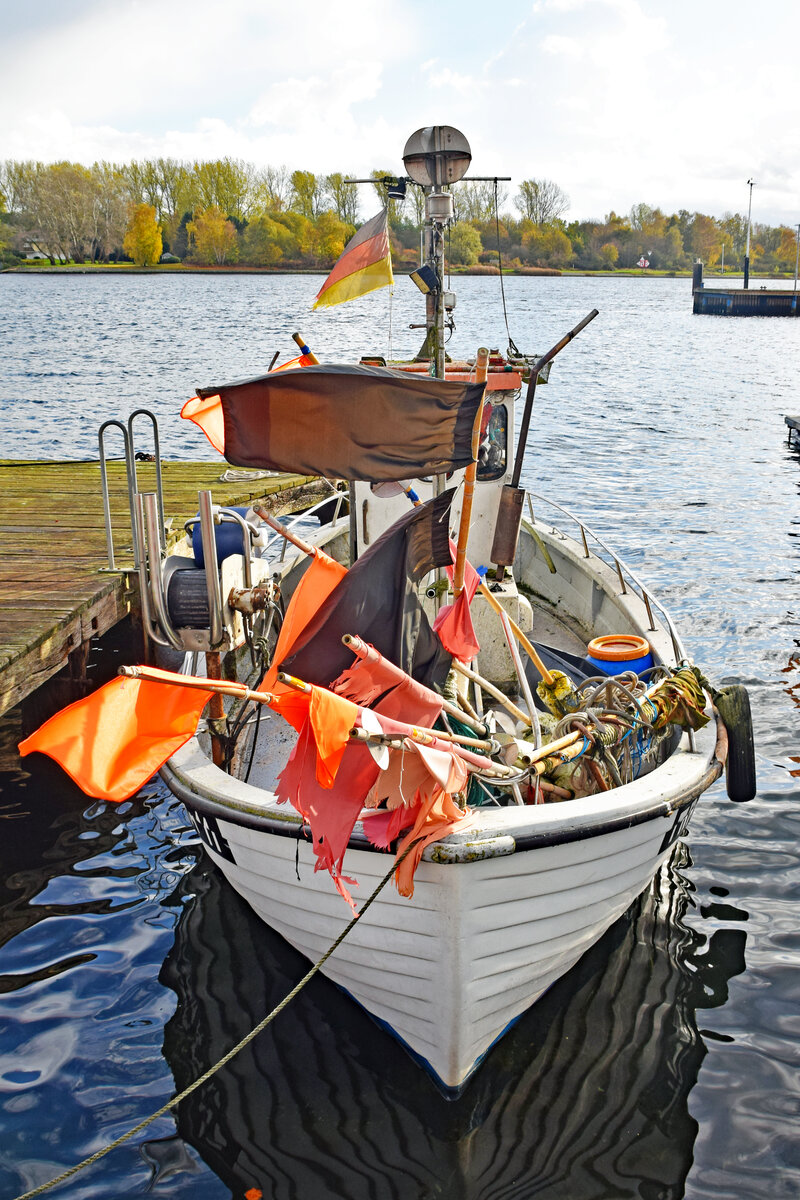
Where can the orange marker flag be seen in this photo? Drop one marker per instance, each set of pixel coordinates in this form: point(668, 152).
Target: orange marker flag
point(316, 584)
point(111, 742)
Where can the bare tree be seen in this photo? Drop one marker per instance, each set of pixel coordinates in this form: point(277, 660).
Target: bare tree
point(475, 200)
point(343, 196)
point(275, 189)
point(541, 200)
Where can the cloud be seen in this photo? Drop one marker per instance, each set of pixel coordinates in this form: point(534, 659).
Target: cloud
point(190, 73)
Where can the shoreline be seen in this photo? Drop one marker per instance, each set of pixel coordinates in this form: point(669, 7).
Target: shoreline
point(530, 273)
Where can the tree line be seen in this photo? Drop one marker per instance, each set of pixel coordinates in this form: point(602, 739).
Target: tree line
point(229, 211)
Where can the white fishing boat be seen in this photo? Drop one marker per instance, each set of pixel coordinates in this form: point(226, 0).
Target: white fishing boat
point(576, 739)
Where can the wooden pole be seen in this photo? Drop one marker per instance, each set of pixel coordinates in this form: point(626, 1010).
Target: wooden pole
point(268, 519)
point(363, 650)
point(225, 687)
point(481, 370)
point(297, 337)
point(507, 704)
point(216, 710)
point(529, 649)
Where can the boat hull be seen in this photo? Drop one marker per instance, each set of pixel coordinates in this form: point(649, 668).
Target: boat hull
point(505, 911)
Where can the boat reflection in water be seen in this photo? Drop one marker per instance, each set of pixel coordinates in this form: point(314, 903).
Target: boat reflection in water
point(586, 1097)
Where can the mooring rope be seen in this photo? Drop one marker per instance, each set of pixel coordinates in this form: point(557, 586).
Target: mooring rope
point(262, 1025)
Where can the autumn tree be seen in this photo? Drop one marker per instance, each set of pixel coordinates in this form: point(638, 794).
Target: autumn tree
point(475, 200)
point(307, 194)
point(261, 242)
point(704, 239)
point(228, 184)
point(330, 236)
point(609, 255)
point(541, 200)
point(465, 244)
point(212, 237)
point(547, 246)
point(111, 205)
point(142, 242)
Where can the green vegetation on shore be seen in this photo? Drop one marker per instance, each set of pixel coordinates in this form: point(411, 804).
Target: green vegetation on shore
point(169, 215)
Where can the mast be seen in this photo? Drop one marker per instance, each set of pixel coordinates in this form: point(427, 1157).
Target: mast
point(435, 157)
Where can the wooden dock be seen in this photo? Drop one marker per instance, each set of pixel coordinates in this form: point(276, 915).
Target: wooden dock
point(794, 430)
point(56, 592)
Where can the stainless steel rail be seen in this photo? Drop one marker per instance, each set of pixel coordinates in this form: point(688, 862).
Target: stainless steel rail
point(309, 512)
point(145, 412)
point(130, 473)
point(623, 571)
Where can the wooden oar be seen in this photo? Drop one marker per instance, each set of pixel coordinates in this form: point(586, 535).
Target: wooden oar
point(481, 369)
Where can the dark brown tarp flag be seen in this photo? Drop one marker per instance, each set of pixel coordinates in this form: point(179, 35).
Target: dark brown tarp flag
point(349, 422)
point(377, 599)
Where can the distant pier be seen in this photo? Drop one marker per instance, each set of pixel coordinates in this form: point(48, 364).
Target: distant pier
point(741, 302)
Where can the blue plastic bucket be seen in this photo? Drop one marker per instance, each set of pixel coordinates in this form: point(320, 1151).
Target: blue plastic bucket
point(614, 653)
point(228, 536)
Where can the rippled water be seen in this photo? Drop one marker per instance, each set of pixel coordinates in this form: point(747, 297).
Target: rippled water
point(666, 1063)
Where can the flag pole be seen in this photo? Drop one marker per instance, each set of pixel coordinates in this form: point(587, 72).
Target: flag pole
point(481, 371)
point(298, 337)
point(224, 686)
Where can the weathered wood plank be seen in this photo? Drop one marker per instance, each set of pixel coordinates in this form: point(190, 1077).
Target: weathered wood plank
point(54, 594)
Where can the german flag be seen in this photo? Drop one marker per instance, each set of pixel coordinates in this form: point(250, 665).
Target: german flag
point(364, 265)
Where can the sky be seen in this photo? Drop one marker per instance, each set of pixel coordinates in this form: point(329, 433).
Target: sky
point(675, 103)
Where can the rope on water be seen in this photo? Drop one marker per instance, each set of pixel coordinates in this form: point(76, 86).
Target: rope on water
point(176, 1100)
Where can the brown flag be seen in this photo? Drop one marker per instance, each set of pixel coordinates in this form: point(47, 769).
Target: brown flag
point(347, 422)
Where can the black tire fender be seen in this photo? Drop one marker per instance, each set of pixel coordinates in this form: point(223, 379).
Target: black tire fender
point(733, 706)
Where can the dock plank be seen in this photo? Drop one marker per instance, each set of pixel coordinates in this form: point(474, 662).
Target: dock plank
point(55, 589)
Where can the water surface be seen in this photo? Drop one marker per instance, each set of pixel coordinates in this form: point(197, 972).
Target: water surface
point(666, 1063)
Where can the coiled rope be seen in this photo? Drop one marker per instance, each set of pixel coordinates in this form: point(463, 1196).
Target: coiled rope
point(249, 1037)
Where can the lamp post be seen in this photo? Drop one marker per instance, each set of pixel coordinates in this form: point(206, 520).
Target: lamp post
point(796, 256)
point(751, 185)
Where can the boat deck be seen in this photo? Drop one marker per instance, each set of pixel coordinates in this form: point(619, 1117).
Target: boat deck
point(56, 591)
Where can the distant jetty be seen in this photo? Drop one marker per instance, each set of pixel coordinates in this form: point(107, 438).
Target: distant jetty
point(741, 302)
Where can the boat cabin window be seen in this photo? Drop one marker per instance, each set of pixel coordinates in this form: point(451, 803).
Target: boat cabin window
point(493, 452)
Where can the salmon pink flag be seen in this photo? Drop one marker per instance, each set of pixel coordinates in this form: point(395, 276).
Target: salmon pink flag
point(453, 622)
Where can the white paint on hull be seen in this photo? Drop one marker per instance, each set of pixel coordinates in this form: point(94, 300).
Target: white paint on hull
point(479, 942)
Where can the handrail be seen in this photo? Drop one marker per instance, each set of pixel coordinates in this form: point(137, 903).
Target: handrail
point(156, 581)
point(309, 512)
point(145, 412)
point(101, 433)
point(208, 516)
point(622, 569)
point(152, 629)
